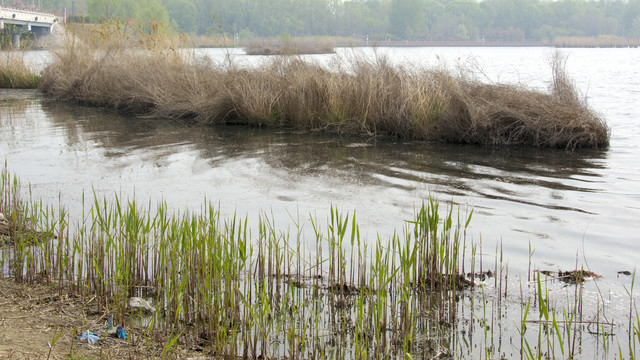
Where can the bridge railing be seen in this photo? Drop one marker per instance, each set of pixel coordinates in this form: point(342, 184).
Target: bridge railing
point(10, 14)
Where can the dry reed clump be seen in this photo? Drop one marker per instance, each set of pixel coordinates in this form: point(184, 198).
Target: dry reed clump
point(291, 47)
point(511, 114)
point(355, 96)
point(16, 72)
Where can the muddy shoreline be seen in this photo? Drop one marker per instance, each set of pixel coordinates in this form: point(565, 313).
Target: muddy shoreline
point(40, 322)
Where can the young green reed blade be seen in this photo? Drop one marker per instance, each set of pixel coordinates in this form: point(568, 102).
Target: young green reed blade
point(557, 331)
point(541, 303)
point(170, 344)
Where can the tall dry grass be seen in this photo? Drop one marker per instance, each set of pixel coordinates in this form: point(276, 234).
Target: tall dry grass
point(512, 114)
point(355, 96)
point(16, 72)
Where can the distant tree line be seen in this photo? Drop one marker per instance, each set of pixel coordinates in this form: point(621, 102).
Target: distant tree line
point(442, 20)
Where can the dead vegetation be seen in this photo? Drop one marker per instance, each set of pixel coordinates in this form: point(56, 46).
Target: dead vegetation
point(16, 72)
point(356, 96)
point(10, 231)
point(289, 47)
point(571, 277)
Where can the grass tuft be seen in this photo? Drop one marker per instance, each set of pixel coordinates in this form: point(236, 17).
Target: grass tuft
point(16, 72)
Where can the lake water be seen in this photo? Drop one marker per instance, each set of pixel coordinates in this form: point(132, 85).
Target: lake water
point(571, 207)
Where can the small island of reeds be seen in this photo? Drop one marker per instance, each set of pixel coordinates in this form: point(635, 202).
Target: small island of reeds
point(289, 47)
point(356, 96)
point(602, 41)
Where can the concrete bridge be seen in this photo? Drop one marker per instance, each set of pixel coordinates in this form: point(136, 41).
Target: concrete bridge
point(21, 21)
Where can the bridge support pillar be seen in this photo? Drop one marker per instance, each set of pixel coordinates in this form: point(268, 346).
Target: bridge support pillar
point(16, 40)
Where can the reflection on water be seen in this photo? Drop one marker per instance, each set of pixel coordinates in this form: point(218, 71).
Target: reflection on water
point(552, 199)
point(456, 170)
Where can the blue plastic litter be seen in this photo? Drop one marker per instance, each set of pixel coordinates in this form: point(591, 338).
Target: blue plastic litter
point(90, 337)
point(120, 333)
point(117, 332)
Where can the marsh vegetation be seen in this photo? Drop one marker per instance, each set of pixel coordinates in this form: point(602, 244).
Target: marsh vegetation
point(355, 96)
point(232, 286)
point(16, 72)
point(219, 284)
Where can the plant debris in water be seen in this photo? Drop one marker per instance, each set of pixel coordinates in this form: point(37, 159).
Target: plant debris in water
point(571, 277)
point(482, 275)
point(10, 232)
